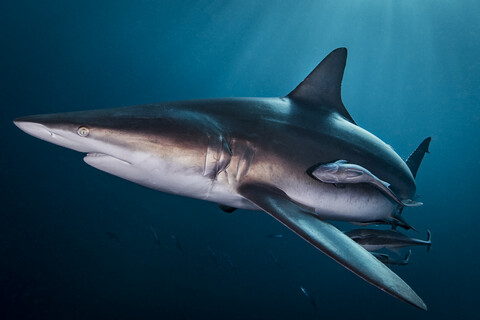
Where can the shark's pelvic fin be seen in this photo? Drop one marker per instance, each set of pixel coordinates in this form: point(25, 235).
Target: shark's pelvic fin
point(329, 240)
point(415, 159)
point(323, 85)
point(225, 208)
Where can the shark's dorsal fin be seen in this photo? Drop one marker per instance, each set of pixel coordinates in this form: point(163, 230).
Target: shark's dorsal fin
point(414, 160)
point(323, 84)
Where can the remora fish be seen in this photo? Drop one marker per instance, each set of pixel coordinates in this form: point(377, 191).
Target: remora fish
point(340, 172)
point(373, 239)
point(253, 153)
point(385, 258)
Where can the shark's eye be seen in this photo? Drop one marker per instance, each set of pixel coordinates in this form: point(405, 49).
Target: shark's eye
point(83, 131)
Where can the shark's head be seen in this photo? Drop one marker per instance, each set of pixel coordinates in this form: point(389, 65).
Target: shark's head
point(148, 145)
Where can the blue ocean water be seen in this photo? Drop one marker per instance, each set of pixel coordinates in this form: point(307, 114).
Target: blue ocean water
point(77, 243)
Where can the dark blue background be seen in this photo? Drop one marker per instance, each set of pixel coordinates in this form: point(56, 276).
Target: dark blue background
point(413, 71)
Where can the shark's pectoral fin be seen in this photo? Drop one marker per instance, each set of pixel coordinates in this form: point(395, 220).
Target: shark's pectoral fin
point(329, 240)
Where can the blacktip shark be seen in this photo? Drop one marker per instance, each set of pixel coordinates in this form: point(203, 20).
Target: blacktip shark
point(256, 154)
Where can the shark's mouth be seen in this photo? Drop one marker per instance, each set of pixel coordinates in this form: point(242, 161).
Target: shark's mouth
point(102, 158)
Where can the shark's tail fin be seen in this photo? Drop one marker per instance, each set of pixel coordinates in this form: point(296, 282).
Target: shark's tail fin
point(414, 160)
point(429, 240)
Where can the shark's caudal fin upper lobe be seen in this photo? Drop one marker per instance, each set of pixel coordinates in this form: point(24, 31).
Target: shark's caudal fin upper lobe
point(323, 85)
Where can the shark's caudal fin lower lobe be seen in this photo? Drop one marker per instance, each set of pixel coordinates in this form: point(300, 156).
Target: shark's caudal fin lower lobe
point(414, 160)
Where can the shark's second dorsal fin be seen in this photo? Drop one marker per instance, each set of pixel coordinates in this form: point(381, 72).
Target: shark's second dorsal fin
point(414, 160)
point(323, 84)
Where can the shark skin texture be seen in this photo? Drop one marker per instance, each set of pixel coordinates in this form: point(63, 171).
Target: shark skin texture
point(255, 154)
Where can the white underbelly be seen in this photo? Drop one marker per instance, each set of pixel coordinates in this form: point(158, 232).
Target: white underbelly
point(167, 177)
point(348, 204)
point(352, 203)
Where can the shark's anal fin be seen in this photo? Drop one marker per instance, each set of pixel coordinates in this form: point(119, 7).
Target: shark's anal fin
point(329, 240)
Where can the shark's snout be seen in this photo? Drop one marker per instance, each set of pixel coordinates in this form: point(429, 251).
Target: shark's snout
point(51, 129)
point(36, 129)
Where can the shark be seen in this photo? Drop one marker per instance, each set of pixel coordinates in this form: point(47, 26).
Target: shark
point(254, 154)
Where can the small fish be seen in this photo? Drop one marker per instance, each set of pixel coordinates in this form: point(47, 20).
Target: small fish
point(396, 221)
point(312, 301)
point(113, 236)
point(275, 235)
point(229, 261)
point(155, 237)
point(386, 259)
point(213, 255)
point(374, 239)
point(274, 259)
point(341, 172)
point(177, 244)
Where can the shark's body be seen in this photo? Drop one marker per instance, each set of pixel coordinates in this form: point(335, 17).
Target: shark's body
point(252, 153)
